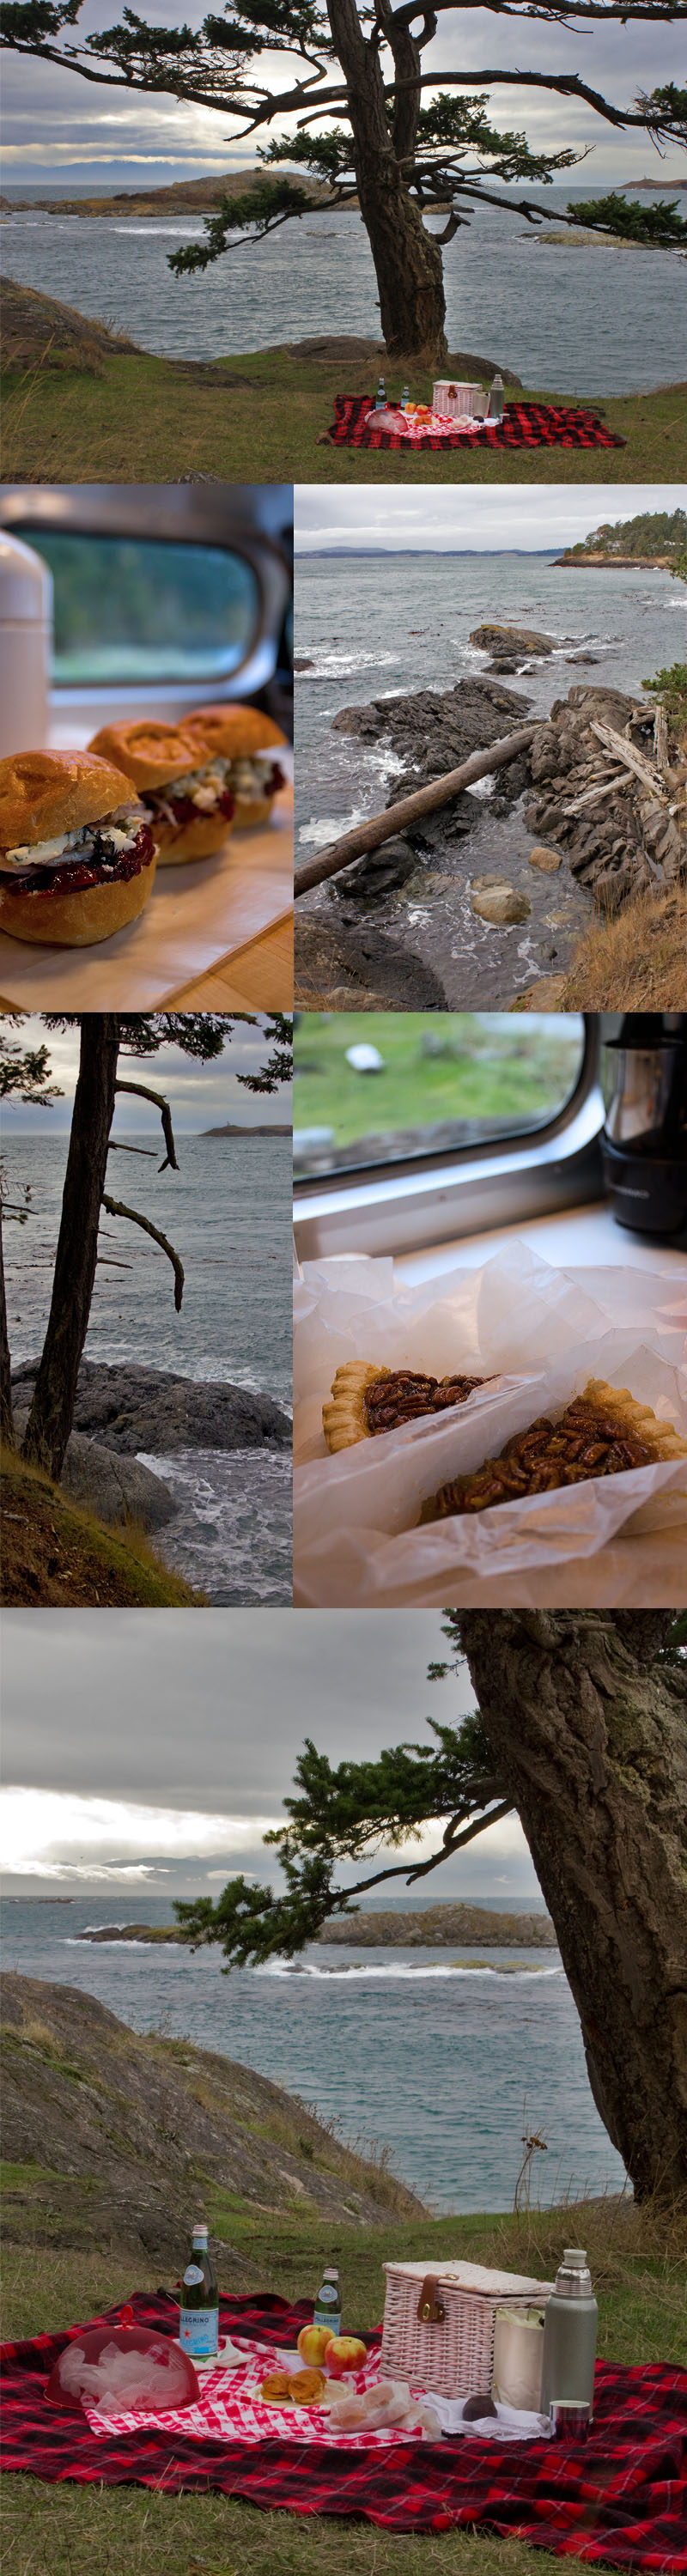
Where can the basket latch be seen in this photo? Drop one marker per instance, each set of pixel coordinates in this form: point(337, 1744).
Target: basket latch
point(430, 2307)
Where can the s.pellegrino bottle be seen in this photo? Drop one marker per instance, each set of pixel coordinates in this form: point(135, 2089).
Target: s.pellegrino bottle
point(569, 2349)
point(199, 2304)
point(380, 404)
point(327, 2310)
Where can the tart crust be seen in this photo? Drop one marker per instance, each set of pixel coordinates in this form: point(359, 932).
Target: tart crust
point(404, 1394)
point(602, 1432)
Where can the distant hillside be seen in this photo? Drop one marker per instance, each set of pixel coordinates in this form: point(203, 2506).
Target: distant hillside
point(171, 197)
point(654, 537)
point(114, 2138)
point(439, 1927)
point(231, 1130)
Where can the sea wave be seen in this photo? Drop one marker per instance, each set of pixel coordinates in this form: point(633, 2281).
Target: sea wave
point(398, 1970)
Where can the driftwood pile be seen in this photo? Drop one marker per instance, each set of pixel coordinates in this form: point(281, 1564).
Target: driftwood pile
point(612, 793)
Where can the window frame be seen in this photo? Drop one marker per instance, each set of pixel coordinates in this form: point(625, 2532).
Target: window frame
point(397, 1207)
point(235, 521)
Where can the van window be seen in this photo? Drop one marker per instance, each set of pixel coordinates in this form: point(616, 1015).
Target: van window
point(146, 610)
point(374, 1087)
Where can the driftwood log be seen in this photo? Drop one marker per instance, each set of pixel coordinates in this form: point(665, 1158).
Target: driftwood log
point(425, 800)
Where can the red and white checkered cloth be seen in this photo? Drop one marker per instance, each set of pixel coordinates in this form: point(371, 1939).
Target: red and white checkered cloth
point(231, 2408)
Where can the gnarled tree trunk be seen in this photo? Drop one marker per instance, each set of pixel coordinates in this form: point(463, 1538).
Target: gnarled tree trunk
point(589, 1734)
point(408, 263)
point(6, 1422)
point(52, 1411)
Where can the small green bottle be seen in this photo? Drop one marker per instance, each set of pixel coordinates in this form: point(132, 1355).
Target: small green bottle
point(327, 2310)
point(199, 2304)
point(380, 404)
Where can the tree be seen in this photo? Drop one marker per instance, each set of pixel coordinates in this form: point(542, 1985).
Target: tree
point(581, 1729)
point(104, 1037)
point(26, 1071)
point(397, 157)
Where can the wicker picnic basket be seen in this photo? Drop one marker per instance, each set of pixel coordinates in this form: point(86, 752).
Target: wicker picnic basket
point(439, 2326)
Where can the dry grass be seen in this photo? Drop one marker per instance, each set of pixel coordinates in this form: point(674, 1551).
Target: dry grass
point(57, 1553)
point(636, 960)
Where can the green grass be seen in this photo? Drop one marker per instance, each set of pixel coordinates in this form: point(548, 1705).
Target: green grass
point(639, 2269)
point(524, 1074)
point(258, 418)
point(57, 1553)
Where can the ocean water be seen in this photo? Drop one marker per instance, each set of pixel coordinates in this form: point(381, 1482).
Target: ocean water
point(566, 319)
point(228, 1212)
point(449, 2066)
point(373, 626)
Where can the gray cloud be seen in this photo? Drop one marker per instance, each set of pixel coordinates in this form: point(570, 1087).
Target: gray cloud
point(485, 518)
point(200, 1095)
point(50, 114)
point(119, 1706)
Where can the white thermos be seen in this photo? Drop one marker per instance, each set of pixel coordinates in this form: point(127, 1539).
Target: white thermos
point(25, 646)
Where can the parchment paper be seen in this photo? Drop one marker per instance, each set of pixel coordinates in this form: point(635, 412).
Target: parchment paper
point(544, 1333)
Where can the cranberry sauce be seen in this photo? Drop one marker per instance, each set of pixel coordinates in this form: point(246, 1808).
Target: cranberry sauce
point(95, 870)
point(184, 810)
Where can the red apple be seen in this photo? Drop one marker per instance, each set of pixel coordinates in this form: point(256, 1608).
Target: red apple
point(345, 2352)
point(312, 2345)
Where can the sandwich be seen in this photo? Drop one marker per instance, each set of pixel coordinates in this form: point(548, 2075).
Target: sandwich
point(184, 789)
point(77, 855)
point(245, 742)
point(603, 1432)
point(366, 1400)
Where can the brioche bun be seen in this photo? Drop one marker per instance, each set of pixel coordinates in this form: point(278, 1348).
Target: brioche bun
point(197, 840)
point(235, 732)
point(78, 919)
point(46, 792)
point(151, 755)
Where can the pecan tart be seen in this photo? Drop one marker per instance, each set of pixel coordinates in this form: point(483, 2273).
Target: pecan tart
point(601, 1433)
point(366, 1400)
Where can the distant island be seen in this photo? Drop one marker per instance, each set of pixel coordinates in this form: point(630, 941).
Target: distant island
point(433, 1927)
point(233, 1130)
point(654, 541)
point(171, 197)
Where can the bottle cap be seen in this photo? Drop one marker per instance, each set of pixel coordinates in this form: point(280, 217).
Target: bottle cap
point(331, 2275)
point(200, 2228)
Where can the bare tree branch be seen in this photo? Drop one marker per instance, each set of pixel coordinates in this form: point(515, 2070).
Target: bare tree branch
point(170, 1161)
point(115, 1207)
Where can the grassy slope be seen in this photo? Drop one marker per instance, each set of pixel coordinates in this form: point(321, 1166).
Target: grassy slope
point(414, 1089)
point(56, 1554)
point(258, 417)
point(636, 961)
point(68, 2531)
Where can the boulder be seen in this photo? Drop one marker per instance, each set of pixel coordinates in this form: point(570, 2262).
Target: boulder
point(546, 859)
point(495, 901)
point(511, 639)
point(380, 872)
point(144, 1408)
point(118, 1489)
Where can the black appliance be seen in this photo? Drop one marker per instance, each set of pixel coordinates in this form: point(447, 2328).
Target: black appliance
point(644, 1144)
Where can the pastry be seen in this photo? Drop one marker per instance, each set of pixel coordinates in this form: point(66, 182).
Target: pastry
point(601, 1433)
point(293, 2388)
point(366, 1400)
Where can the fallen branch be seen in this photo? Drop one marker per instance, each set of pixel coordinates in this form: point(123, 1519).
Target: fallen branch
point(425, 800)
point(115, 1207)
point(632, 759)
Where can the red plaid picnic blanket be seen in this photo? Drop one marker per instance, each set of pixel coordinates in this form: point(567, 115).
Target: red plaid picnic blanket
point(620, 2498)
point(523, 425)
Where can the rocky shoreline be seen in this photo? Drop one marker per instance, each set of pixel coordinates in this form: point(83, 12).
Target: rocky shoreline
point(122, 1408)
point(606, 812)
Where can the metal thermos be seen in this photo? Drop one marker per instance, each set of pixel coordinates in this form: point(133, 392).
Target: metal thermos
point(570, 2325)
point(25, 647)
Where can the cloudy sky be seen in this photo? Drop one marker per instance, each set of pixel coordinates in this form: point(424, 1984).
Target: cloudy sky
point(491, 519)
point(55, 125)
point(137, 1766)
point(200, 1095)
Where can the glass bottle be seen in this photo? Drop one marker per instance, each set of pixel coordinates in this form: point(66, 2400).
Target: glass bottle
point(327, 2311)
point(199, 2304)
point(380, 404)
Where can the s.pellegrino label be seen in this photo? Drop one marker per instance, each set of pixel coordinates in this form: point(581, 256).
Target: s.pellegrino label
point(199, 2304)
point(327, 2311)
